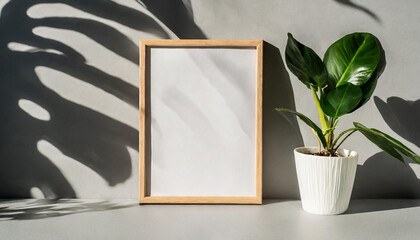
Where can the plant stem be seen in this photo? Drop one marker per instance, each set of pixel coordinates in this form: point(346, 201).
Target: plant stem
point(317, 138)
point(341, 134)
point(331, 134)
point(321, 114)
point(344, 139)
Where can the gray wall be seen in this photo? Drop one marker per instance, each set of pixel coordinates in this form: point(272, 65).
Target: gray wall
point(69, 88)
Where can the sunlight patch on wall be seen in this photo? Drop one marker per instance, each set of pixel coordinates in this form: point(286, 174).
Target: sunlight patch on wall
point(44, 10)
point(34, 110)
point(20, 47)
point(88, 95)
point(37, 193)
point(3, 3)
point(108, 61)
point(95, 54)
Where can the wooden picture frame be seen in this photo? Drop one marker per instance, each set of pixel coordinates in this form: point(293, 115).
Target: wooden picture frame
point(153, 51)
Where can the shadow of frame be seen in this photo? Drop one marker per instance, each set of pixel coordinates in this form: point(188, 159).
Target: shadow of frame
point(281, 133)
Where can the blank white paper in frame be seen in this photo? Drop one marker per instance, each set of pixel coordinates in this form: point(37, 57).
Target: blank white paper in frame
point(202, 121)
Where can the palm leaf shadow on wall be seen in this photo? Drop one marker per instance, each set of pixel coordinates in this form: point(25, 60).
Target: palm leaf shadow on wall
point(351, 4)
point(95, 140)
point(380, 176)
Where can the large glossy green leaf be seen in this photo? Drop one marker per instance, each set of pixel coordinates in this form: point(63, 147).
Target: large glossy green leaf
point(352, 59)
point(309, 122)
point(341, 100)
point(369, 86)
point(305, 63)
point(387, 143)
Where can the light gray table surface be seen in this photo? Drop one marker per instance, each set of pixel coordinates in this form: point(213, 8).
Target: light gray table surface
point(275, 219)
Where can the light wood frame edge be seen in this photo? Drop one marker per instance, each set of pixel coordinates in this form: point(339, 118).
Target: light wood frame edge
point(143, 199)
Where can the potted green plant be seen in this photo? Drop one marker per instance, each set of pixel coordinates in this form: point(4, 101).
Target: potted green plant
point(340, 84)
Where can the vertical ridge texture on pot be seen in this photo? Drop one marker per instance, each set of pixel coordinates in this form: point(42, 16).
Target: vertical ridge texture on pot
point(325, 183)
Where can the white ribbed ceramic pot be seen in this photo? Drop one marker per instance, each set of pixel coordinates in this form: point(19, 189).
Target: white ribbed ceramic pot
point(325, 183)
